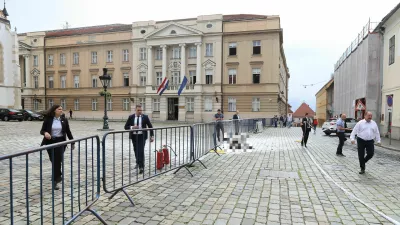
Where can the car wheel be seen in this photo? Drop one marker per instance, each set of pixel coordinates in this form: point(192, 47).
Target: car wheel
point(6, 118)
point(30, 118)
point(327, 133)
point(20, 120)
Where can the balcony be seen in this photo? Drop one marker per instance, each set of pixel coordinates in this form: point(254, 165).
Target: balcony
point(175, 87)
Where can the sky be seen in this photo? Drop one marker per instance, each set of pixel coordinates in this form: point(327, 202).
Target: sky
point(315, 32)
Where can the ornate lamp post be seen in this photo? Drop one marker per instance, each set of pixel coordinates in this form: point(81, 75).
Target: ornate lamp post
point(105, 81)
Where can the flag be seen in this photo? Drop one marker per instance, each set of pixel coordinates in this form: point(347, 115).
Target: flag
point(163, 86)
point(183, 85)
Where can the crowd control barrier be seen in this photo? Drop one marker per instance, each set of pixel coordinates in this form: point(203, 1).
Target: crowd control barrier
point(171, 149)
point(27, 187)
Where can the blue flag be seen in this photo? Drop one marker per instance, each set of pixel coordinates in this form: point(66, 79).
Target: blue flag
point(183, 85)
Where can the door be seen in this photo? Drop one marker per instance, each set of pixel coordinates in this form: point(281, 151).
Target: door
point(173, 108)
point(23, 103)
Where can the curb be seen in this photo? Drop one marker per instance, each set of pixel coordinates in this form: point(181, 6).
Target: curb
point(387, 147)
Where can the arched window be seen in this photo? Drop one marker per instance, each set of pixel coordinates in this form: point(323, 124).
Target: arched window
point(1, 64)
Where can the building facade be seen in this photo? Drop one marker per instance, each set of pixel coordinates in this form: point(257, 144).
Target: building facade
point(63, 66)
point(324, 100)
point(10, 87)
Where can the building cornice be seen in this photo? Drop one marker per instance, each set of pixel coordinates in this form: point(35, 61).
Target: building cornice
point(88, 44)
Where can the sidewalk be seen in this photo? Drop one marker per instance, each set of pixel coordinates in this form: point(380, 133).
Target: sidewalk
point(394, 145)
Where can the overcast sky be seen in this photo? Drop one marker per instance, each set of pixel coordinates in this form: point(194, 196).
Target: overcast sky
point(315, 32)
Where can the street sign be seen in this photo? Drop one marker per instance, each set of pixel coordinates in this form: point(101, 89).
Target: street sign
point(389, 100)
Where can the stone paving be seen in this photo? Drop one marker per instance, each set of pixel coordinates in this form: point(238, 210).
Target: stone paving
point(276, 183)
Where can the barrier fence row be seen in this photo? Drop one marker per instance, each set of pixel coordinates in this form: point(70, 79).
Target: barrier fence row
point(30, 196)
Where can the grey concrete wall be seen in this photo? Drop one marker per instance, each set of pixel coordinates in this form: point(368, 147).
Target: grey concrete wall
point(358, 77)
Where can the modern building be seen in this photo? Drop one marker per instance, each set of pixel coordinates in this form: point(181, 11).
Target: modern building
point(10, 87)
point(389, 28)
point(356, 77)
point(232, 62)
point(324, 100)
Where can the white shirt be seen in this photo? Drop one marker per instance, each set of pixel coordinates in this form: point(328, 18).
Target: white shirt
point(366, 130)
point(56, 128)
point(138, 122)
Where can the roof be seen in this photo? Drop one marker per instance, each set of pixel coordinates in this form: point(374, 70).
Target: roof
point(89, 30)
point(290, 111)
point(302, 110)
point(233, 17)
point(387, 17)
point(326, 86)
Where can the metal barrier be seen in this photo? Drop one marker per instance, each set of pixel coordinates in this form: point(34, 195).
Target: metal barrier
point(119, 170)
point(34, 198)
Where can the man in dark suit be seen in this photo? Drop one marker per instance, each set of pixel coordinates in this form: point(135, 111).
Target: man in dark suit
point(306, 125)
point(138, 121)
point(236, 119)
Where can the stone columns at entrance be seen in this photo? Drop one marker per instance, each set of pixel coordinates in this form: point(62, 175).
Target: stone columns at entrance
point(150, 66)
point(199, 77)
point(183, 61)
point(28, 82)
point(164, 61)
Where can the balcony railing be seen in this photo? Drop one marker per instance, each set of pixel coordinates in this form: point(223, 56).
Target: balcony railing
point(175, 87)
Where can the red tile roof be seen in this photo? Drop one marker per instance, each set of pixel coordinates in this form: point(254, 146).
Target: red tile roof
point(243, 17)
point(290, 111)
point(89, 30)
point(302, 110)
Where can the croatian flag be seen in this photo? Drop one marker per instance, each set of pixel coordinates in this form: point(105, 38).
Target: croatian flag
point(163, 86)
point(183, 85)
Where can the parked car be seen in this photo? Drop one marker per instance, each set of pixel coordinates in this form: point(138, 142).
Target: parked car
point(329, 127)
point(30, 115)
point(11, 114)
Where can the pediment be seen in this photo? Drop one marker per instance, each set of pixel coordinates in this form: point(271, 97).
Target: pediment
point(142, 67)
point(209, 64)
point(173, 29)
point(23, 46)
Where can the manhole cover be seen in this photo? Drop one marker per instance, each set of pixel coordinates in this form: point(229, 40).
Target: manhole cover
point(278, 174)
point(334, 167)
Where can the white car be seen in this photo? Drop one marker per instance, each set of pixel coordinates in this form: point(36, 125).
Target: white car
point(329, 126)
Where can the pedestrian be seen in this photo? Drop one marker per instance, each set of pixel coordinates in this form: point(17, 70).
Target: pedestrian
point(340, 130)
point(236, 121)
point(289, 120)
point(367, 132)
point(139, 121)
point(284, 121)
point(315, 124)
point(70, 113)
point(55, 129)
point(276, 121)
point(281, 121)
point(306, 128)
point(219, 126)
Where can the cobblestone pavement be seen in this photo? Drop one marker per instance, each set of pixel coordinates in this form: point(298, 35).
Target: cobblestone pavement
point(276, 183)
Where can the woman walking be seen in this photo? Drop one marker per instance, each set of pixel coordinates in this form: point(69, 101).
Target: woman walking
point(315, 124)
point(55, 128)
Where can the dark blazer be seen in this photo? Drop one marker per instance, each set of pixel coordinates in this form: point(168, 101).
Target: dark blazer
point(47, 126)
point(145, 124)
point(235, 117)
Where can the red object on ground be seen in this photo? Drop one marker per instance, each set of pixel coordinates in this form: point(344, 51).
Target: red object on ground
point(166, 155)
point(160, 160)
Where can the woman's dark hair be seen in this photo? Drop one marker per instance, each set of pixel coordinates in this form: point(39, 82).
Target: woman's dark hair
point(50, 112)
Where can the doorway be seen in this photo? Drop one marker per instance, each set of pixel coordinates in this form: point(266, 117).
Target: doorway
point(173, 109)
point(23, 103)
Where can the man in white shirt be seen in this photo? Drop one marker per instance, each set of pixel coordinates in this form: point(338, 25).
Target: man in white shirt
point(367, 132)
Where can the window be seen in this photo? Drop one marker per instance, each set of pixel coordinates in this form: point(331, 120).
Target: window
point(109, 56)
point(63, 81)
point(232, 48)
point(110, 83)
point(158, 78)
point(76, 58)
point(209, 49)
point(256, 76)
point(126, 80)
point(159, 54)
point(109, 104)
point(231, 104)
point(76, 81)
point(392, 49)
point(35, 60)
point(176, 53)
point(36, 104)
point(94, 81)
point(142, 102)
point(209, 77)
point(51, 82)
point(156, 105)
point(94, 104)
point(142, 54)
point(63, 104)
point(193, 52)
point(256, 47)
point(125, 104)
point(190, 104)
point(208, 104)
point(51, 60)
point(256, 104)
point(51, 103)
point(36, 82)
point(62, 59)
point(94, 57)
point(142, 76)
point(175, 78)
point(76, 104)
point(232, 76)
point(192, 76)
point(125, 55)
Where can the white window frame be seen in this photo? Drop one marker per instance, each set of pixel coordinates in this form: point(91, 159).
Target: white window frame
point(192, 77)
point(109, 56)
point(256, 43)
point(256, 71)
point(51, 82)
point(142, 78)
point(175, 78)
point(142, 54)
point(93, 57)
point(36, 104)
point(51, 103)
point(76, 58)
point(63, 81)
point(76, 104)
point(36, 82)
point(209, 49)
point(63, 59)
point(126, 104)
point(192, 52)
point(176, 52)
point(156, 105)
point(110, 84)
point(209, 72)
point(231, 104)
point(63, 103)
point(232, 78)
point(94, 104)
point(208, 103)
point(35, 60)
point(126, 79)
point(76, 81)
point(125, 55)
point(231, 46)
point(142, 102)
point(51, 60)
point(159, 78)
point(94, 81)
point(256, 104)
point(159, 53)
point(190, 104)
point(109, 104)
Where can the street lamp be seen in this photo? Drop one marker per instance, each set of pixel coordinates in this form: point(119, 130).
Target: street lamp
point(105, 81)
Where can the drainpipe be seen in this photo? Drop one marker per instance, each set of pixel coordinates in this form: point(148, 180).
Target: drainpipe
point(222, 66)
point(45, 77)
point(380, 101)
